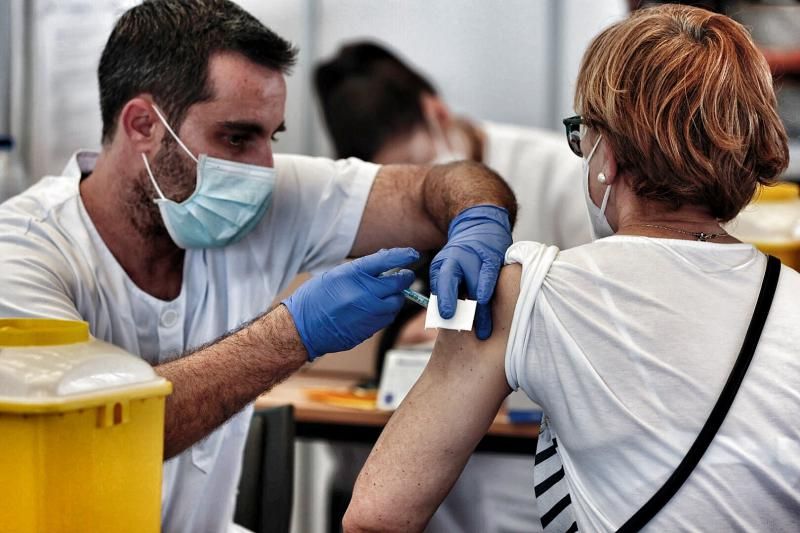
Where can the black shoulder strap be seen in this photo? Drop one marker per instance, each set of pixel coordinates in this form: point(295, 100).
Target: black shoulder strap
point(717, 416)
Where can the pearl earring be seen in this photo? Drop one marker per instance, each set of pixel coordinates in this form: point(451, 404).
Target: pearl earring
point(601, 178)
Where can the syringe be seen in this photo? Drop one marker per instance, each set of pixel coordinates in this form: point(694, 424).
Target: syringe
point(410, 295)
point(416, 297)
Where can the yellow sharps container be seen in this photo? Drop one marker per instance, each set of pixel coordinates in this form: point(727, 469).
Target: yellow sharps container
point(772, 222)
point(81, 432)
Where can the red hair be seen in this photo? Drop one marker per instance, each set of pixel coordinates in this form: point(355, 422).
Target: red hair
point(685, 100)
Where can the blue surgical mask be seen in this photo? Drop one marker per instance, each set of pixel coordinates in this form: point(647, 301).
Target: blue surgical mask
point(229, 199)
point(597, 215)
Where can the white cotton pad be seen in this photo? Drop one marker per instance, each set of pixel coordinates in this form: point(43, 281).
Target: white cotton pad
point(462, 320)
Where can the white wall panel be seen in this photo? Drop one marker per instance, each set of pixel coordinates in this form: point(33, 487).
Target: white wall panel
point(578, 23)
point(489, 60)
point(291, 19)
point(63, 111)
point(5, 67)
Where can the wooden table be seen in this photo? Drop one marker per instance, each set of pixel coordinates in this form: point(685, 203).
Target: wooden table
point(316, 420)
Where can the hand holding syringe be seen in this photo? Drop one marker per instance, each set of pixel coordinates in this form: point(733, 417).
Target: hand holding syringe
point(415, 297)
point(462, 319)
point(410, 295)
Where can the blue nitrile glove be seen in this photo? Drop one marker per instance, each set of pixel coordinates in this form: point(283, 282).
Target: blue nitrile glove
point(476, 246)
point(347, 305)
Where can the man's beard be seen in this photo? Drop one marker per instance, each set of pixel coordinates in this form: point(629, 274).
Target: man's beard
point(176, 176)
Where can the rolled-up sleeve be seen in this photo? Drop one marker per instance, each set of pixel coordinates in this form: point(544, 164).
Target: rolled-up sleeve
point(318, 204)
point(536, 259)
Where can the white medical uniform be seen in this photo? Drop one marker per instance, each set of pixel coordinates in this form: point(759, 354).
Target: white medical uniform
point(626, 343)
point(546, 178)
point(53, 263)
point(495, 492)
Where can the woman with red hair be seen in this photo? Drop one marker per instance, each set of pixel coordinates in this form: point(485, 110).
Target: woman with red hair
point(665, 353)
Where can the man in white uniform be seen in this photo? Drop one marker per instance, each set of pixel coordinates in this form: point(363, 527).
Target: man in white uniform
point(173, 241)
point(379, 109)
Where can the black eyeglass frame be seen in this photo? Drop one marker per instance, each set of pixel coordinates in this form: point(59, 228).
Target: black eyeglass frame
point(573, 127)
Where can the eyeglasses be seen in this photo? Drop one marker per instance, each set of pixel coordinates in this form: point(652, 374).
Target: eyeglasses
point(573, 126)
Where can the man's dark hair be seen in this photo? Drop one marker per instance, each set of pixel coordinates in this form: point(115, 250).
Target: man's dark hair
point(163, 47)
point(368, 96)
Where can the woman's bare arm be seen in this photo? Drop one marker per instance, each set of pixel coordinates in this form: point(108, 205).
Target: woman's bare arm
point(427, 442)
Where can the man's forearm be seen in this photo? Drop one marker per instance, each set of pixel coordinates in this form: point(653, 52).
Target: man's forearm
point(449, 189)
point(411, 205)
point(218, 380)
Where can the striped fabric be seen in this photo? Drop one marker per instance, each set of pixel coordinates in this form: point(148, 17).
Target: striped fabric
point(552, 492)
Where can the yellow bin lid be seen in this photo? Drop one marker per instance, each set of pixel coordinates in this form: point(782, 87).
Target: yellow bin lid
point(49, 365)
point(780, 192)
point(42, 331)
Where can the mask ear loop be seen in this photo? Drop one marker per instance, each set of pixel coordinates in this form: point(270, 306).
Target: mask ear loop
point(174, 136)
point(177, 139)
point(152, 179)
point(605, 200)
point(607, 194)
point(594, 148)
point(439, 140)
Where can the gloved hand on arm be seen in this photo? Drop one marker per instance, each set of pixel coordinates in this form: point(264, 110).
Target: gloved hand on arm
point(477, 239)
point(348, 304)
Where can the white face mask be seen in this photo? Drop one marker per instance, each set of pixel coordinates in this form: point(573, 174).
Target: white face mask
point(229, 199)
point(449, 146)
point(597, 215)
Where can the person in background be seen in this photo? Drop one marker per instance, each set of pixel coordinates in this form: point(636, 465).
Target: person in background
point(627, 342)
point(378, 108)
point(174, 239)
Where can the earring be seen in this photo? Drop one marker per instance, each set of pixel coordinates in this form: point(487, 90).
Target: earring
point(601, 178)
